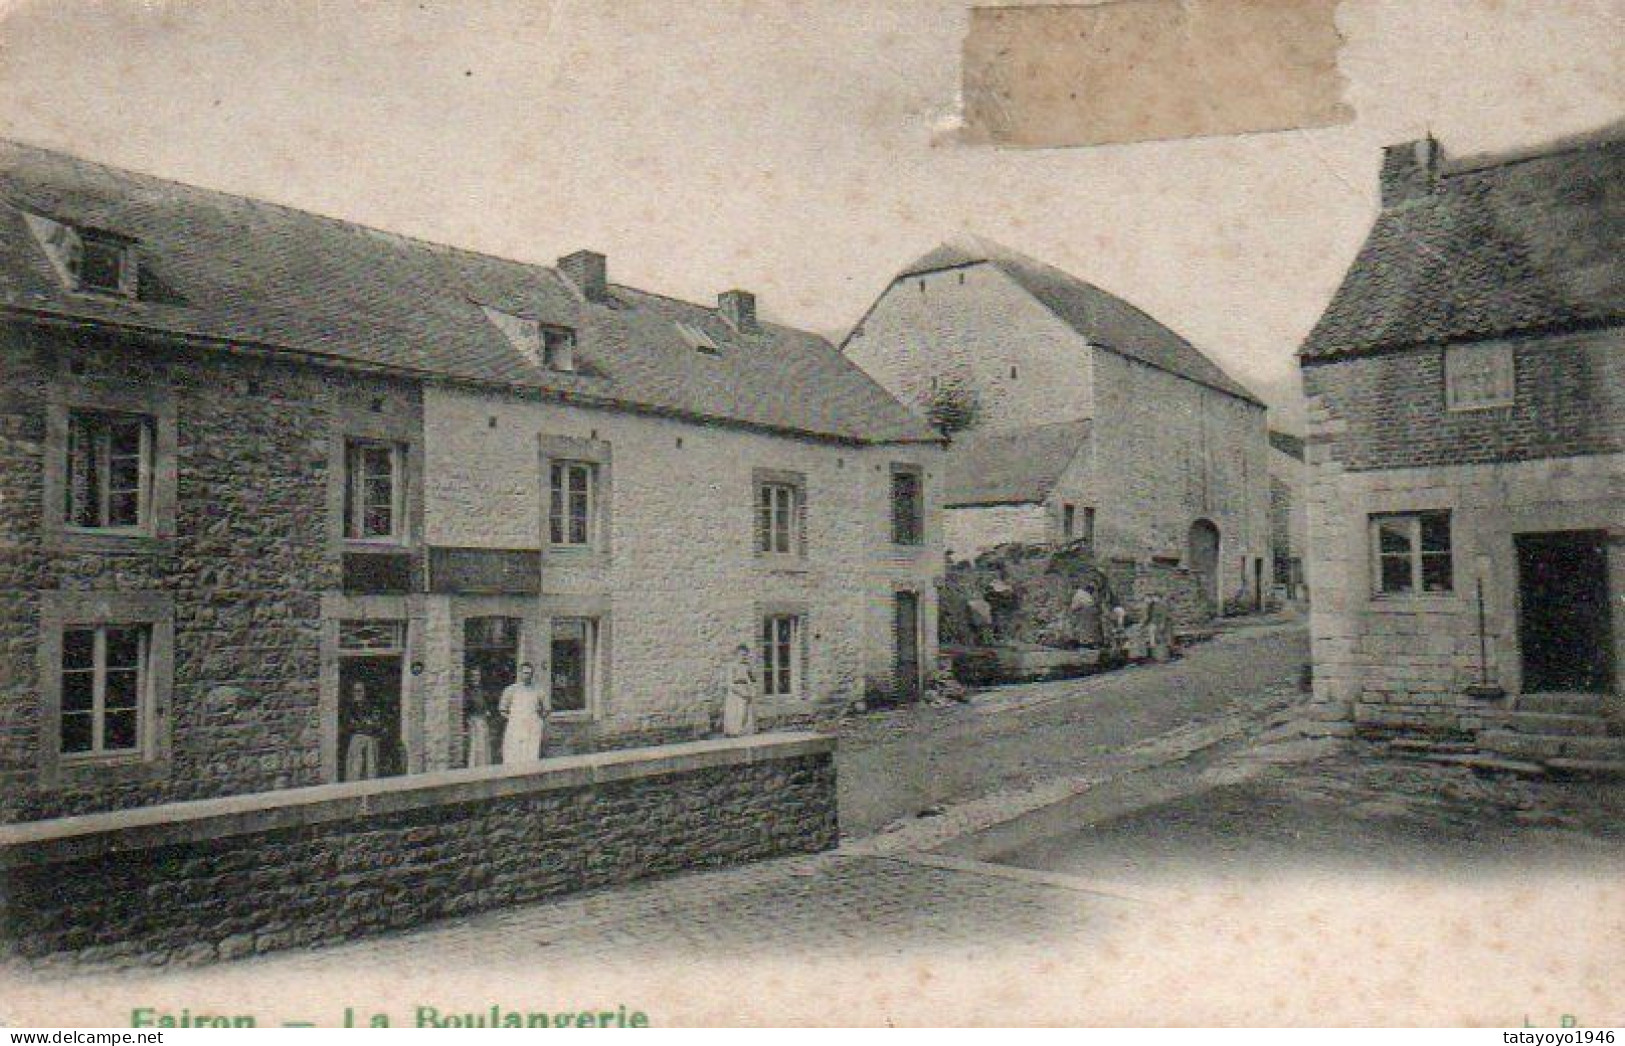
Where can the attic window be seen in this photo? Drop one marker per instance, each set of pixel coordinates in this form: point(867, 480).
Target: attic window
point(550, 347)
point(559, 348)
point(697, 339)
point(89, 260)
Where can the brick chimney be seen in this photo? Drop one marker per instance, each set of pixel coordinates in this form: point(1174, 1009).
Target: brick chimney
point(739, 309)
point(589, 272)
point(1410, 170)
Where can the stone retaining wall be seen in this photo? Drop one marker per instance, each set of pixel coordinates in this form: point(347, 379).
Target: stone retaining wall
point(221, 878)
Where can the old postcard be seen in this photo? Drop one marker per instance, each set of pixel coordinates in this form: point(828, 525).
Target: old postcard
point(788, 512)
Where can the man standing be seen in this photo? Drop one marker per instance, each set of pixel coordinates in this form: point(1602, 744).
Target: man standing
point(526, 709)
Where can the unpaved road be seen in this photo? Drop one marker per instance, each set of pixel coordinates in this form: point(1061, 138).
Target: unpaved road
point(894, 765)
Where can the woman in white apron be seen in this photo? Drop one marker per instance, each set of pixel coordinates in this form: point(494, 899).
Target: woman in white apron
point(739, 696)
point(525, 708)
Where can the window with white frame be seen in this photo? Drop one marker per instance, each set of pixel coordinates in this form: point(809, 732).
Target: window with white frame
point(1411, 553)
point(781, 655)
point(375, 491)
point(778, 518)
point(571, 510)
point(104, 683)
point(573, 657)
point(109, 473)
point(1479, 376)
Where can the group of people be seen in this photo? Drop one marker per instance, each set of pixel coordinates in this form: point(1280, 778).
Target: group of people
point(523, 709)
point(1108, 629)
point(522, 712)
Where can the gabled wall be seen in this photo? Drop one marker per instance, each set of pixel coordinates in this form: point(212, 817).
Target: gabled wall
point(974, 325)
point(1168, 452)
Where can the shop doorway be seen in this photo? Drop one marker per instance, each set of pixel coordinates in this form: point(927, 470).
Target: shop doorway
point(1565, 634)
point(371, 735)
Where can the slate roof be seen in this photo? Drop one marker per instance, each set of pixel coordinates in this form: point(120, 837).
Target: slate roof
point(1501, 246)
point(1103, 319)
point(235, 270)
point(1011, 466)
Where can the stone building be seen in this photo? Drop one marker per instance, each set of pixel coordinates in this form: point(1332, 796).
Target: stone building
point(1466, 392)
point(1075, 416)
point(1289, 520)
point(269, 481)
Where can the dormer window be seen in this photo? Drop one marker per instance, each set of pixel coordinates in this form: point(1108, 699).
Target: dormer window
point(104, 264)
point(559, 348)
point(92, 261)
point(547, 346)
point(697, 339)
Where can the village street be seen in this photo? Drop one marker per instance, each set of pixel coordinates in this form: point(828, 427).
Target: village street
point(1153, 826)
point(897, 764)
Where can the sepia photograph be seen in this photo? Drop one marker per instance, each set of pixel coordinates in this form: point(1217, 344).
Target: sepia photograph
point(651, 513)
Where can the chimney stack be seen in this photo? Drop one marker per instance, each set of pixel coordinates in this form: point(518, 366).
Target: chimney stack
point(1410, 170)
point(589, 272)
point(739, 309)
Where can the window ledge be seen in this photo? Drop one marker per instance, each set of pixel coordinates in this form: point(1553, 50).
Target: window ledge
point(379, 545)
point(575, 555)
point(70, 760)
point(73, 771)
point(88, 539)
point(101, 294)
point(790, 562)
point(1422, 603)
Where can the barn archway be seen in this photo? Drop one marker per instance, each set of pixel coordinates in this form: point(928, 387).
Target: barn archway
point(1202, 554)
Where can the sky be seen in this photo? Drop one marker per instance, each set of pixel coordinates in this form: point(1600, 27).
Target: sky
point(796, 148)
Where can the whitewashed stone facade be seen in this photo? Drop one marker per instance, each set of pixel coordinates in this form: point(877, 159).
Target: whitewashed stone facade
point(677, 583)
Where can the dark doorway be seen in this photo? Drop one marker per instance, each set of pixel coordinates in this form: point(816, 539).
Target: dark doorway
point(371, 654)
point(906, 628)
point(370, 706)
point(490, 665)
point(1564, 631)
point(1202, 555)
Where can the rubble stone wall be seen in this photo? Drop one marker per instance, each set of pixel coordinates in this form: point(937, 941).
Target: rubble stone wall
point(189, 883)
point(245, 548)
point(1405, 661)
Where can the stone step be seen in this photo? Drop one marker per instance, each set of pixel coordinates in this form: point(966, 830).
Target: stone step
point(1558, 724)
point(1589, 767)
point(1559, 703)
point(1490, 763)
point(1547, 747)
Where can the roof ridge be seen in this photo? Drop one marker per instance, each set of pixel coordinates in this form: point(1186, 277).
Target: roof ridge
point(1607, 137)
point(288, 208)
point(1001, 255)
point(269, 276)
point(391, 234)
